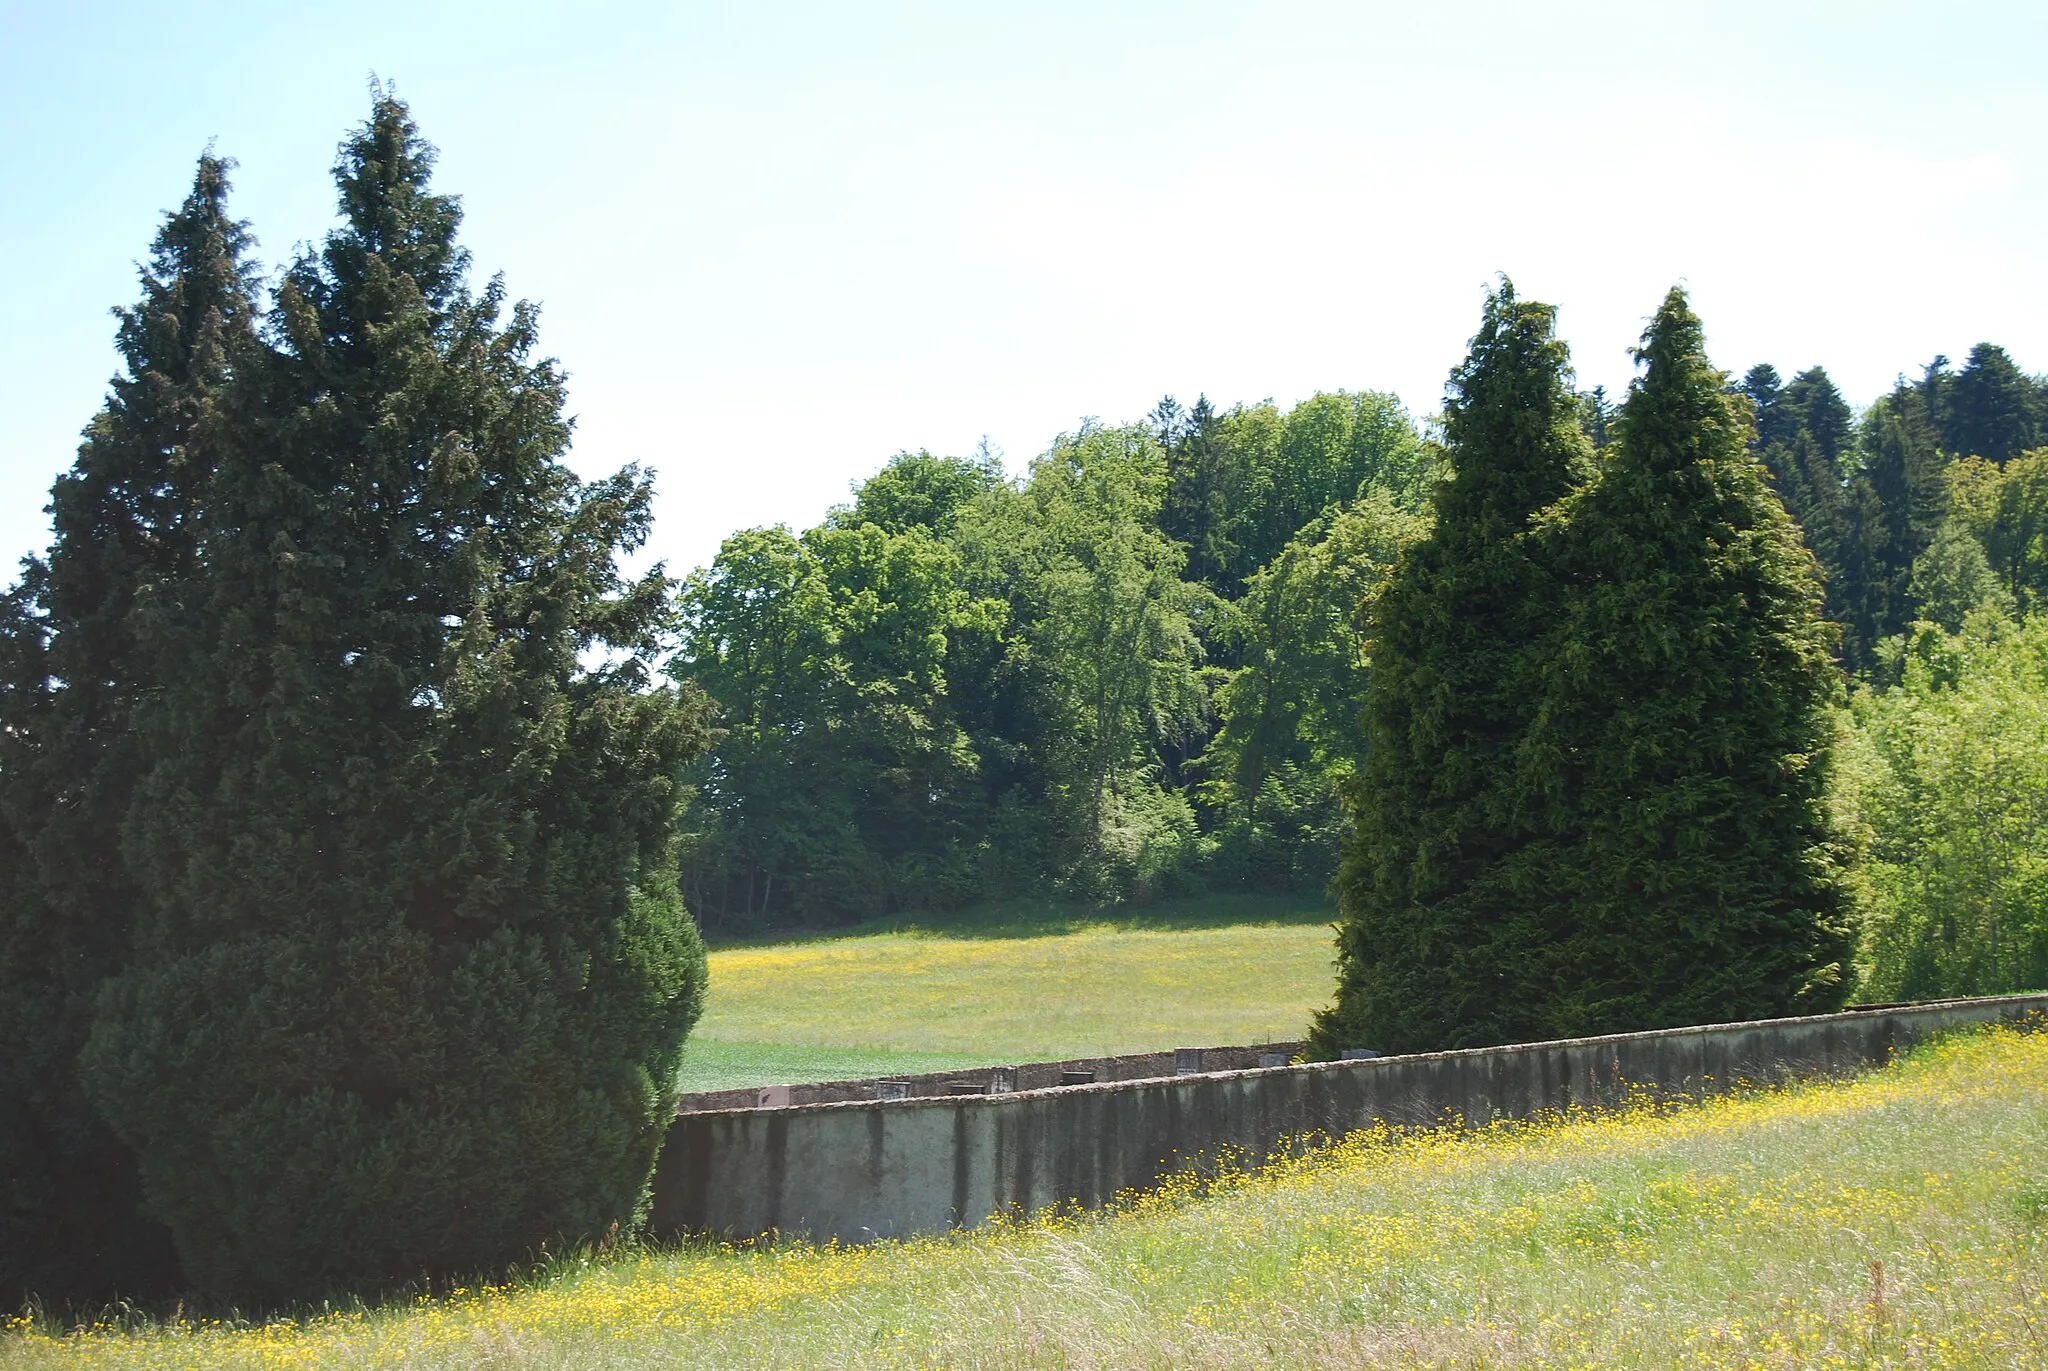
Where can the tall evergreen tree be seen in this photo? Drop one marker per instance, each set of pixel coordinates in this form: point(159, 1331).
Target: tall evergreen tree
point(411, 974)
point(1994, 409)
point(1806, 437)
point(1684, 739)
point(1763, 385)
point(78, 666)
point(1436, 947)
point(1811, 404)
point(1907, 472)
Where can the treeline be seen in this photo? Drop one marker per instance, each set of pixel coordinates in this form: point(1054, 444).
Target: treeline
point(1908, 507)
point(1138, 668)
point(1132, 670)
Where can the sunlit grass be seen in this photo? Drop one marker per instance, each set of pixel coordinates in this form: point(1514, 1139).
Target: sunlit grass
point(1034, 988)
point(1897, 1220)
point(709, 1064)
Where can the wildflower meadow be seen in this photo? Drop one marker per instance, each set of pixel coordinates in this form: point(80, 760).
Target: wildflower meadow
point(1899, 1219)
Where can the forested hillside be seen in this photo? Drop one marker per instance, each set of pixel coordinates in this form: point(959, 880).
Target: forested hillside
point(1139, 668)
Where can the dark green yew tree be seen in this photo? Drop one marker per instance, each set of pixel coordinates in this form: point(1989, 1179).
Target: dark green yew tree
point(76, 648)
point(411, 975)
point(1438, 943)
point(1683, 741)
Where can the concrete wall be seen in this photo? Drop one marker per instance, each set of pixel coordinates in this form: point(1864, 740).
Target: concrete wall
point(862, 1169)
point(1139, 1066)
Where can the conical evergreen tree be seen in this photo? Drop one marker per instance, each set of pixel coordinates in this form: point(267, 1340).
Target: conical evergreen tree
point(78, 663)
point(412, 976)
point(1994, 409)
point(1907, 472)
point(1436, 943)
point(1685, 733)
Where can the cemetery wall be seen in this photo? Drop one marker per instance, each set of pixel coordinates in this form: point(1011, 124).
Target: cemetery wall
point(858, 1169)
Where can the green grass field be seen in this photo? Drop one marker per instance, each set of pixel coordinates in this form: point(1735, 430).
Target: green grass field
point(1897, 1220)
point(1012, 984)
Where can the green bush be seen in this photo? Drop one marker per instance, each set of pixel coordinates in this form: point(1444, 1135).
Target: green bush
point(1947, 783)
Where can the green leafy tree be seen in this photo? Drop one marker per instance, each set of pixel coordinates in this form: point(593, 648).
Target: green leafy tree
point(1289, 741)
point(2006, 510)
point(1953, 576)
point(78, 664)
point(1683, 745)
point(1104, 632)
point(411, 974)
point(842, 784)
point(1597, 416)
point(1807, 439)
point(1947, 780)
point(756, 632)
point(1435, 947)
point(918, 490)
point(1242, 484)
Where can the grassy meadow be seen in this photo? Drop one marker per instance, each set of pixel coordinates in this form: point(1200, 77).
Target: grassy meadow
point(1010, 984)
point(1897, 1220)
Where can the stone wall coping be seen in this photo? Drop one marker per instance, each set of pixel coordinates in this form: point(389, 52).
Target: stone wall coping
point(2038, 999)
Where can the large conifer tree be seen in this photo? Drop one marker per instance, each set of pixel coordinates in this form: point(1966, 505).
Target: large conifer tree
point(1437, 944)
point(78, 647)
point(1683, 741)
point(412, 976)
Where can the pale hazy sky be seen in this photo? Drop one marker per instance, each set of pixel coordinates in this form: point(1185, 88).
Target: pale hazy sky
point(776, 243)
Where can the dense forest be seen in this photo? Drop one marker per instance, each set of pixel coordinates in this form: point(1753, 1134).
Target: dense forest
point(1139, 668)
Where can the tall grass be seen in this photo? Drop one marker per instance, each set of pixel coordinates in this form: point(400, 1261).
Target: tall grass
point(1900, 1219)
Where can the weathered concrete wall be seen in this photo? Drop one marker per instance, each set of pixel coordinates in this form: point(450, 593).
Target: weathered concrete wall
point(857, 1170)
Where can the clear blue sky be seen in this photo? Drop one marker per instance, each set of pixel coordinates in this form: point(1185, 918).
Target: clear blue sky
point(777, 242)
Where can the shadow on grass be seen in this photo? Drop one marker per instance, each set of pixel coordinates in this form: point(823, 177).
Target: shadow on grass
point(1051, 918)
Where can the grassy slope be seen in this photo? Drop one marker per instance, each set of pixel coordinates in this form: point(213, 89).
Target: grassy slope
point(1018, 983)
point(1899, 1220)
